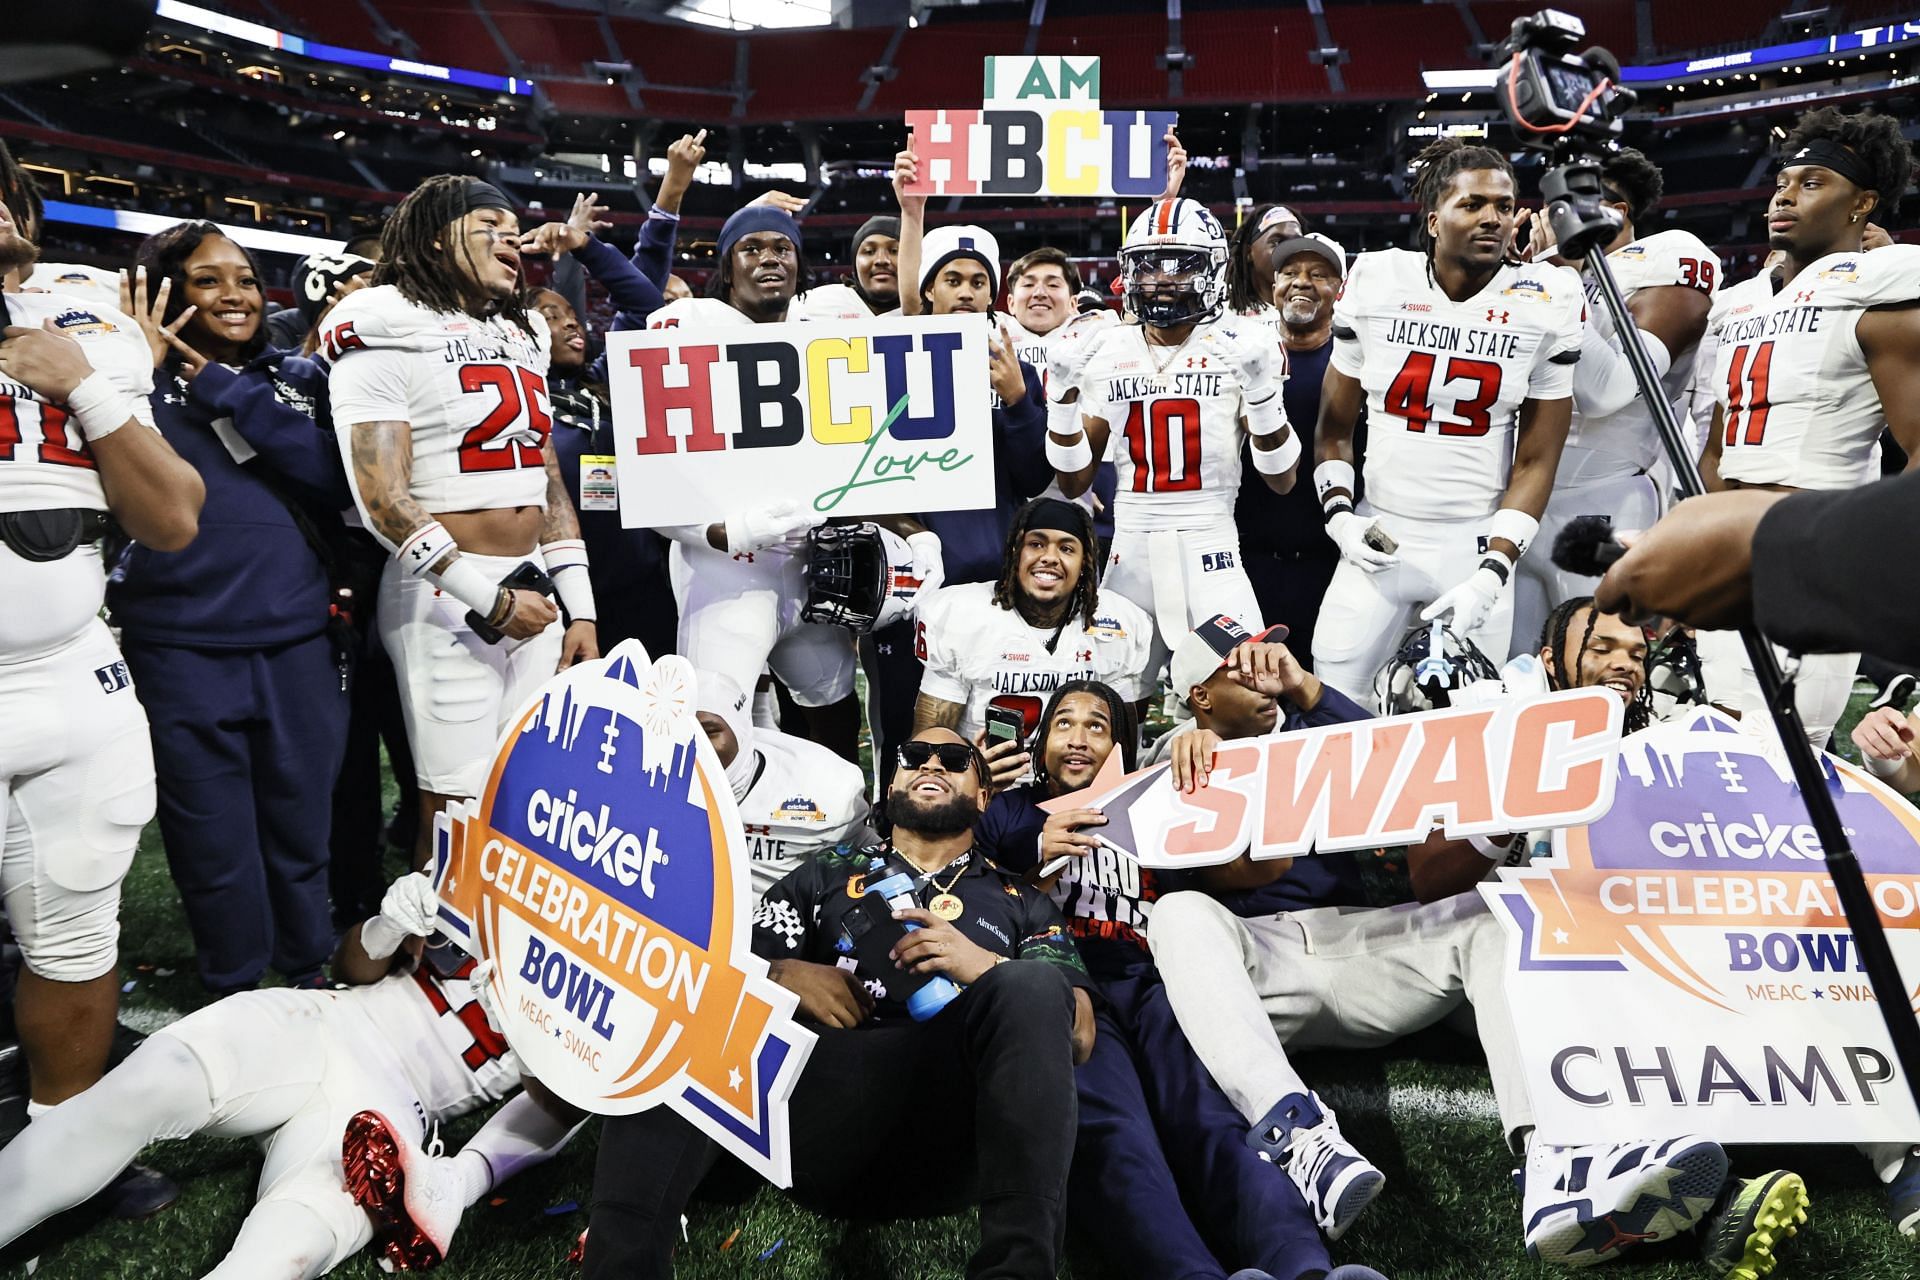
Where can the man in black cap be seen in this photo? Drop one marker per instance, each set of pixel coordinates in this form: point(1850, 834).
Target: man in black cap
point(875, 290)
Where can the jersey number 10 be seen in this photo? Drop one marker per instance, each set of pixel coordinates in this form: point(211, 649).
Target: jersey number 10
point(1163, 441)
point(1410, 395)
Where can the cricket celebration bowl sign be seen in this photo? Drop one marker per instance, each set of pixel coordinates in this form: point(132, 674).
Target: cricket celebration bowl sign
point(1681, 964)
point(603, 873)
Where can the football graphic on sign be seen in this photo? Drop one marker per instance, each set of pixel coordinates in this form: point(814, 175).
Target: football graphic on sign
point(603, 872)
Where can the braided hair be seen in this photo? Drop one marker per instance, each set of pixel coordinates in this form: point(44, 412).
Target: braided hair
point(1119, 714)
point(20, 194)
point(164, 254)
point(1434, 170)
point(1086, 589)
point(1248, 285)
point(417, 254)
point(1874, 138)
point(1566, 675)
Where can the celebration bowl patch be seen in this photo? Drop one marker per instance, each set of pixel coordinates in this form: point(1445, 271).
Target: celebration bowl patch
point(603, 871)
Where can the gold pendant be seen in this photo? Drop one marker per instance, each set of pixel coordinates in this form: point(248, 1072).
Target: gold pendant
point(947, 906)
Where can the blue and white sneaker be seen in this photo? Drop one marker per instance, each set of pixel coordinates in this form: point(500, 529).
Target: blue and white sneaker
point(1589, 1204)
point(1903, 1197)
point(1303, 1137)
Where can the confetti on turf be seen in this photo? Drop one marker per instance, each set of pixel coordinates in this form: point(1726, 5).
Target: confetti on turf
point(728, 1242)
point(773, 1249)
point(565, 1206)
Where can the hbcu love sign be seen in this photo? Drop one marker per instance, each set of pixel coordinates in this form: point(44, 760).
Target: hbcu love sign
point(1545, 761)
point(604, 873)
point(891, 415)
point(1041, 132)
point(1682, 964)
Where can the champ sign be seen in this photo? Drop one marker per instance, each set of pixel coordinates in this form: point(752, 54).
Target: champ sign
point(895, 415)
point(1041, 132)
point(1682, 965)
point(1474, 770)
point(603, 872)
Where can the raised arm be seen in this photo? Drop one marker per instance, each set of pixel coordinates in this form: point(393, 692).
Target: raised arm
point(913, 226)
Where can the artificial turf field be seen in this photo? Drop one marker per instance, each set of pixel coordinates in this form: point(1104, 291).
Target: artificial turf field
point(1422, 1112)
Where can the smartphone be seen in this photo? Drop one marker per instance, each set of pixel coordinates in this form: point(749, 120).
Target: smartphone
point(1005, 724)
point(526, 576)
point(1379, 539)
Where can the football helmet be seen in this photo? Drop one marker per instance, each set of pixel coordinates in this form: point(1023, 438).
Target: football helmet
point(1173, 264)
point(1429, 666)
point(860, 576)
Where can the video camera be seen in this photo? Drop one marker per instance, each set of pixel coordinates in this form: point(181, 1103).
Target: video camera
point(1556, 98)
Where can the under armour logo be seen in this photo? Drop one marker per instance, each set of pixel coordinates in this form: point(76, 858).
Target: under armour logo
point(417, 550)
point(744, 555)
point(1083, 655)
point(1492, 316)
point(1805, 295)
point(1201, 359)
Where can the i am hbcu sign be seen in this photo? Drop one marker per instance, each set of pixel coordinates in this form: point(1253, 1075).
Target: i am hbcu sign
point(604, 872)
point(891, 415)
point(1682, 964)
point(1041, 132)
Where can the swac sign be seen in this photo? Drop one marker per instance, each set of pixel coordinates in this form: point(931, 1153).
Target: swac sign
point(882, 416)
point(604, 873)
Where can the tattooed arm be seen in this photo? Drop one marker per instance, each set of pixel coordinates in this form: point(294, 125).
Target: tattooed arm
point(562, 526)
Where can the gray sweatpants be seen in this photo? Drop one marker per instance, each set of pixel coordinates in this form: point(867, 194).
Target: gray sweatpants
point(1331, 978)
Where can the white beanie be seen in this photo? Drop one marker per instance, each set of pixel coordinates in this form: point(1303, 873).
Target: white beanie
point(718, 695)
point(943, 244)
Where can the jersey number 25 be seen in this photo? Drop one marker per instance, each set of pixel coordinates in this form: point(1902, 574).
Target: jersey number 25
point(498, 442)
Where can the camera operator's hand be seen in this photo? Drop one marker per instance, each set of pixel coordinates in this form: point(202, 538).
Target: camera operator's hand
point(1191, 755)
point(1006, 761)
point(1695, 565)
point(532, 613)
point(830, 996)
point(1062, 836)
point(938, 947)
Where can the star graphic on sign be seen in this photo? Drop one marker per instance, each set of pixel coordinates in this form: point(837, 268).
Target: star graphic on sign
point(1818, 994)
point(734, 1079)
point(1560, 936)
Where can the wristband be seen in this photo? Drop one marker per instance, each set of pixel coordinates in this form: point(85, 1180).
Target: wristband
point(1515, 526)
point(1488, 849)
point(1499, 566)
point(470, 587)
point(1337, 507)
point(574, 586)
point(1063, 416)
point(1330, 475)
point(1280, 459)
point(1884, 768)
point(1069, 458)
point(99, 407)
point(1265, 417)
point(563, 553)
point(424, 548)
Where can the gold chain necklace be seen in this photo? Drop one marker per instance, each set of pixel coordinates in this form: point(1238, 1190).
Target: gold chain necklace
point(946, 904)
point(1159, 365)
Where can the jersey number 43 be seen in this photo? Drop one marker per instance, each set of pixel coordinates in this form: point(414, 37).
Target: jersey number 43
point(1410, 395)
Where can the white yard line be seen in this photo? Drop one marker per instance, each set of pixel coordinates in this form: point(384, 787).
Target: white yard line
point(1414, 1102)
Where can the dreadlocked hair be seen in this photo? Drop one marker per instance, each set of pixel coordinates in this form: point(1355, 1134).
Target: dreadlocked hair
point(20, 194)
point(417, 254)
point(1119, 712)
point(1248, 284)
point(1874, 138)
point(720, 281)
point(164, 254)
point(1435, 168)
point(1565, 675)
point(1637, 179)
point(1086, 590)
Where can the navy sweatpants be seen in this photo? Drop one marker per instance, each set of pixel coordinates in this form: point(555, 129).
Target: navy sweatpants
point(1162, 1175)
point(246, 744)
point(1289, 589)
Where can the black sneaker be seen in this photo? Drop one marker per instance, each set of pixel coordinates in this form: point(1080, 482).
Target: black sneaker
point(139, 1192)
point(1896, 693)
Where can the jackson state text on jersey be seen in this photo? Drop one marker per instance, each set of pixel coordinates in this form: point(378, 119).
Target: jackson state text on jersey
point(977, 653)
point(1445, 380)
point(1797, 404)
point(473, 391)
point(1175, 433)
point(1664, 259)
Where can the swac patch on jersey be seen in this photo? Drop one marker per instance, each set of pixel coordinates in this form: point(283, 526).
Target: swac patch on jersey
point(82, 322)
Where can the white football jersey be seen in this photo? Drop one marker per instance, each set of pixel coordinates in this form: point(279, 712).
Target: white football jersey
point(473, 391)
point(452, 1055)
point(1173, 418)
point(1666, 258)
point(75, 279)
point(834, 302)
point(1034, 347)
point(803, 798)
point(1798, 406)
point(1445, 380)
point(696, 311)
point(977, 653)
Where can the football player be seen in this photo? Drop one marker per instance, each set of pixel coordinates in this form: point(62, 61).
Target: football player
point(339, 1087)
point(796, 797)
point(1669, 279)
point(77, 444)
point(1812, 358)
point(439, 391)
point(875, 290)
point(1177, 394)
point(1464, 363)
point(1011, 643)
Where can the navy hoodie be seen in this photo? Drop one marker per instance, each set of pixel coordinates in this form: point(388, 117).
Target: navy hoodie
point(973, 542)
point(250, 579)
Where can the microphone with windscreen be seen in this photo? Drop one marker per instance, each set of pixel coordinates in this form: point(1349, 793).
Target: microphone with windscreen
point(1585, 546)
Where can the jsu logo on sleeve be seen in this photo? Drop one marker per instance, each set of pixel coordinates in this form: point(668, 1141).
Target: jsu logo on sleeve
point(1214, 561)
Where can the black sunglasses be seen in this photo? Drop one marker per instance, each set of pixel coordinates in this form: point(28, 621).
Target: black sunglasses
point(954, 757)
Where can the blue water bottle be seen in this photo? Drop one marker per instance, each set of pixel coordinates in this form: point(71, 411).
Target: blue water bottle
point(896, 891)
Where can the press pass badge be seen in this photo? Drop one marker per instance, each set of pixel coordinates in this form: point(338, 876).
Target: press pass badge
point(597, 489)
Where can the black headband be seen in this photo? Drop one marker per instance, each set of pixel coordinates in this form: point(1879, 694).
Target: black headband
point(1829, 154)
point(484, 195)
point(1058, 515)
